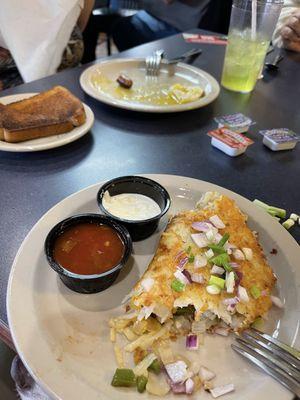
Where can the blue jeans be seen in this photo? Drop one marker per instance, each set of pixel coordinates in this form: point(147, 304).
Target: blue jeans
point(139, 29)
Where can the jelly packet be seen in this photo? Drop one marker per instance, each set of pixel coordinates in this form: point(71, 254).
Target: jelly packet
point(280, 139)
point(238, 122)
point(231, 143)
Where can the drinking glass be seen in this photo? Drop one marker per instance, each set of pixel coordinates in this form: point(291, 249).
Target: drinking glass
point(248, 42)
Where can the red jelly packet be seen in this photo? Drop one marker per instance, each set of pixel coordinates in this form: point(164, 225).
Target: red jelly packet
point(208, 39)
point(232, 139)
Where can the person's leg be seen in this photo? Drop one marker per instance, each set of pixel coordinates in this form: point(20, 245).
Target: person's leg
point(139, 29)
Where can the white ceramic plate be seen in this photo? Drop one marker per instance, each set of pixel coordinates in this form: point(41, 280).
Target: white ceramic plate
point(183, 73)
point(49, 142)
point(63, 337)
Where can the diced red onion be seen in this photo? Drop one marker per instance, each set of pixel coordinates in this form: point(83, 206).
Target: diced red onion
point(198, 278)
point(200, 239)
point(238, 254)
point(147, 284)
point(211, 236)
point(189, 386)
point(242, 294)
point(217, 270)
point(238, 277)
point(201, 226)
point(221, 390)
point(192, 342)
point(234, 265)
point(264, 293)
point(200, 261)
point(145, 312)
point(277, 302)
point(232, 301)
point(248, 253)
point(230, 282)
point(206, 374)
point(218, 237)
point(177, 371)
point(221, 331)
point(177, 388)
point(178, 255)
point(228, 245)
point(187, 275)
point(181, 277)
point(182, 263)
point(209, 254)
point(217, 222)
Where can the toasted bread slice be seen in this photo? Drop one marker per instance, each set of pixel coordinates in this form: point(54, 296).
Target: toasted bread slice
point(49, 113)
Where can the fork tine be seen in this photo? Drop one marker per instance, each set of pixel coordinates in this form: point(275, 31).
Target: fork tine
point(279, 362)
point(281, 348)
point(268, 367)
point(152, 65)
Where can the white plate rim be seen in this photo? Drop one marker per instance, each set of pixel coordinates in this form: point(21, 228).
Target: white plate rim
point(281, 234)
point(61, 140)
point(148, 108)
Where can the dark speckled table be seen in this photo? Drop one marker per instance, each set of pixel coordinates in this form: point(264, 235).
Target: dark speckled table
point(123, 142)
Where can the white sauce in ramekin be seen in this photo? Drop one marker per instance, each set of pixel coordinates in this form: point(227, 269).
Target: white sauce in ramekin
point(131, 206)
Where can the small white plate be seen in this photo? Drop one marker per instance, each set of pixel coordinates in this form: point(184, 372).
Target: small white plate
point(63, 336)
point(169, 74)
point(48, 142)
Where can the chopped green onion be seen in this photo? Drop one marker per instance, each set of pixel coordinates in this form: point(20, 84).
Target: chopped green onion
point(185, 310)
point(274, 211)
point(261, 204)
point(288, 223)
point(216, 248)
point(223, 240)
point(123, 377)
point(255, 292)
point(155, 367)
point(213, 289)
point(294, 217)
point(141, 383)
point(188, 250)
point(280, 212)
point(215, 280)
point(191, 258)
point(222, 260)
point(177, 286)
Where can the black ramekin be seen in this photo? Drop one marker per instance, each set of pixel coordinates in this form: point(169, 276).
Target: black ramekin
point(140, 229)
point(87, 283)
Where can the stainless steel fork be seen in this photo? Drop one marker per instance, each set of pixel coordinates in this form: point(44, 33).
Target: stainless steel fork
point(277, 359)
point(153, 63)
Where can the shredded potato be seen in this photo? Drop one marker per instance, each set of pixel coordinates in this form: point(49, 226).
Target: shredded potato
point(146, 341)
point(119, 356)
point(130, 334)
point(112, 335)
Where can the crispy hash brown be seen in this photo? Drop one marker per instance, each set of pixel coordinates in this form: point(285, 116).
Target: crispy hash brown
point(154, 294)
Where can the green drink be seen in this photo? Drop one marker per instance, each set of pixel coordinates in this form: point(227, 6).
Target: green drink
point(251, 27)
point(244, 60)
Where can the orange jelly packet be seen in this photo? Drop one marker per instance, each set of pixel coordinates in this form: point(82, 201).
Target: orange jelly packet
point(230, 138)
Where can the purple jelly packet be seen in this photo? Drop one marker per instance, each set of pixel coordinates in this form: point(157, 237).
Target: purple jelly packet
point(281, 135)
point(237, 122)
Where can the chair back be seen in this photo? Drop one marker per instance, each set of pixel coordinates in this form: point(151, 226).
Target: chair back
point(217, 16)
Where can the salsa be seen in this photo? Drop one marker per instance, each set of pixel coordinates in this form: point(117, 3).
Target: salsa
point(88, 249)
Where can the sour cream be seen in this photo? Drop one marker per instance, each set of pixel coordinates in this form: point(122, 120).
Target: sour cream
point(131, 206)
